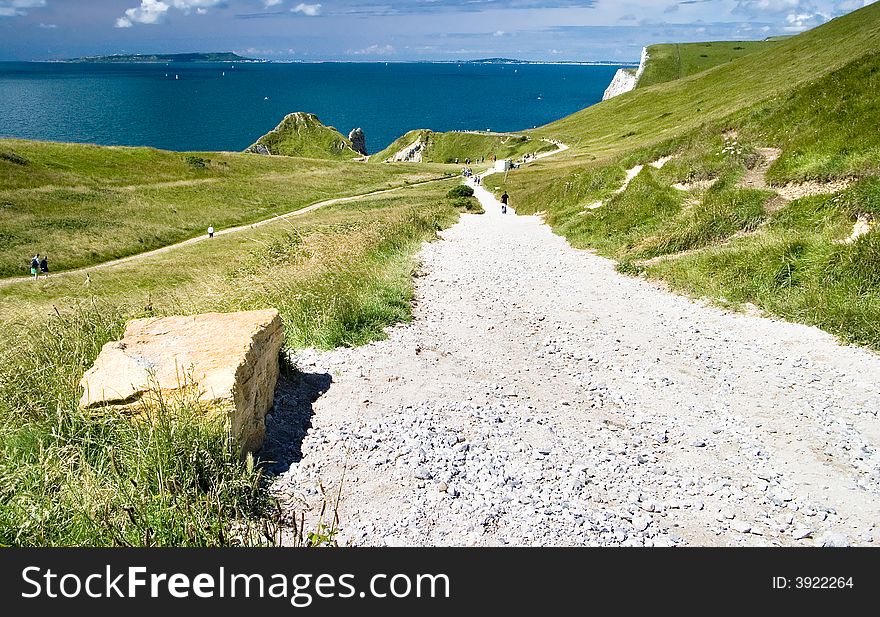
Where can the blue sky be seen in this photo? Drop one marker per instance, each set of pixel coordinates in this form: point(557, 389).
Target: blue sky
point(394, 29)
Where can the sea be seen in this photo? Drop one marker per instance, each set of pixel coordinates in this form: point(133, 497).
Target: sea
point(208, 107)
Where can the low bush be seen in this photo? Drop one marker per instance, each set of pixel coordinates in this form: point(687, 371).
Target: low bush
point(460, 191)
point(12, 157)
point(197, 162)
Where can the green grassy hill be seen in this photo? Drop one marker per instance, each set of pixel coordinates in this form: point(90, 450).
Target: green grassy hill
point(301, 134)
point(668, 62)
point(449, 147)
point(652, 114)
point(786, 249)
point(89, 204)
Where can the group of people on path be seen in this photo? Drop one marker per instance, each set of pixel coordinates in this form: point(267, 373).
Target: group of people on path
point(39, 265)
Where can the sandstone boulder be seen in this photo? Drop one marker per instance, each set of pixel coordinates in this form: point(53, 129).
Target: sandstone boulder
point(358, 141)
point(228, 360)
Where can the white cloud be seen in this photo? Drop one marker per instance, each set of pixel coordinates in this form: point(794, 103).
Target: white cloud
point(499, 33)
point(14, 8)
point(154, 11)
point(269, 3)
point(796, 15)
point(310, 10)
point(374, 50)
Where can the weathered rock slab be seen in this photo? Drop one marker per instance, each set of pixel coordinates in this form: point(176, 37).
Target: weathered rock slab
point(228, 360)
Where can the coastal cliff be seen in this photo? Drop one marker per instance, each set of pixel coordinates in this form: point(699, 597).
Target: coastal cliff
point(626, 79)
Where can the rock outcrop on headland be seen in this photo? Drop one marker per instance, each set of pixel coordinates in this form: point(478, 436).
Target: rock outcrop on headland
point(228, 361)
point(626, 79)
point(358, 141)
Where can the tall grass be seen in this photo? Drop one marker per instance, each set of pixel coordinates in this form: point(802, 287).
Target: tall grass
point(798, 267)
point(723, 211)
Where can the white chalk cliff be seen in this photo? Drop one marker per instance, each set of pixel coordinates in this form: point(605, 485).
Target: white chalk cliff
point(625, 79)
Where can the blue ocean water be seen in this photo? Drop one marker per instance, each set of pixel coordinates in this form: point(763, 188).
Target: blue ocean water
point(227, 107)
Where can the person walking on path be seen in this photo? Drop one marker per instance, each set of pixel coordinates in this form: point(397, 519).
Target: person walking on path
point(210, 231)
point(44, 265)
point(505, 198)
point(35, 266)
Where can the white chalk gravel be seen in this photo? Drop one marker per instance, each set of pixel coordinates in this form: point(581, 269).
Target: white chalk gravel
point(540, 398)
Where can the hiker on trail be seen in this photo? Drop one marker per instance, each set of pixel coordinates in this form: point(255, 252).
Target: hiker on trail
point(35, 266)
point(44, 265)
point(504, 199)
point(467, 161)
point(211, 231)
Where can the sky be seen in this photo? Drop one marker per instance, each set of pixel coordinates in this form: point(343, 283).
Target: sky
point(394, 30)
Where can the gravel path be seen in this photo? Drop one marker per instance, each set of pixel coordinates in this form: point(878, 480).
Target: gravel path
point(540, 398)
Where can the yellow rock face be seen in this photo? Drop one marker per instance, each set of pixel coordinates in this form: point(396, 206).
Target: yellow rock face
point(228, 360)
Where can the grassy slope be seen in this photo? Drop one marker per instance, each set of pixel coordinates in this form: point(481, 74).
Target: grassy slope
point(813, 96)
point(88, 204)
point(225, 273)
point(447, 147)
point(302, 134)
point(668, 62)
point(650, 115)
point(73, 478)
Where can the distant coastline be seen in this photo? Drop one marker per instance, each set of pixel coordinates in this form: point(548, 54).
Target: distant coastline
point(195, 58)
point(161, 58)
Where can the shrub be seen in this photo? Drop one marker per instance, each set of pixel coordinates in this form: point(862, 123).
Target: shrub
point(460, 191)
point(197, 162)
point(12, 157)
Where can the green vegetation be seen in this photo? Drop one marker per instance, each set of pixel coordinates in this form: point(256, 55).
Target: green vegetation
point(458, 147)
point(814, 97)
point(462, 190)
point(247, 270)
point(69, 477)
point(825, 127)
point(462, 198)
point(797, 268)
point(668, 62)
point(88, 204)
point(302, 134)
